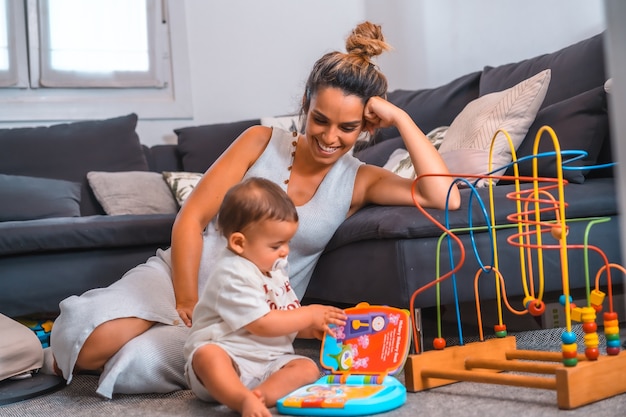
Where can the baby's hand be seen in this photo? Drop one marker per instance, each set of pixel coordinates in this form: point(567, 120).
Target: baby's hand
point(323, 316)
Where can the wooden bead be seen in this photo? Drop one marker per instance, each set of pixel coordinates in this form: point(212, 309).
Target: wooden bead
point(439, 343)
point(536, 308)
point(590, 327)
point(612, 351)
point(592, 353)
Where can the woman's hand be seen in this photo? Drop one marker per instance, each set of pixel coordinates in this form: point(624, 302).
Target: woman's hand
point(378, 113)
point(185, 311)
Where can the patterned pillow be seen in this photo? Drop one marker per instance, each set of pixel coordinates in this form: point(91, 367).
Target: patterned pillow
point(181, 184)
point(468, 140)
point(399, 161)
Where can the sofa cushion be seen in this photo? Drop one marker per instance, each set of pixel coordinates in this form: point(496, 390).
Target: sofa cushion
point(580, 123)
point(467, 143)
point(30, 198)
point(575, 69)
point(68, 151)
point(200, 146)
point(163, 158)
point(132, 192)
point(61, 236)
point(594, 198)
point(433, 107)
point(379, 153)
point(181, 184)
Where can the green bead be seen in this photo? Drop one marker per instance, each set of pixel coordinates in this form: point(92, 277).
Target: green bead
point(614, 336)
point(503, 333)
point(570, 362)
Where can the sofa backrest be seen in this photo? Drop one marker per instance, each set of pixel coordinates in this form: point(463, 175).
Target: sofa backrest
point(200, 146)
point(69, 151)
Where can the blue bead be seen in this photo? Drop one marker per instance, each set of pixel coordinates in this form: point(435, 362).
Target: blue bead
point(568, 338)
point(612, 343)
point(562, 299)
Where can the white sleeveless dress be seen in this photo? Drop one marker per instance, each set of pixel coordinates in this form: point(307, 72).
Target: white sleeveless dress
point(153, 362)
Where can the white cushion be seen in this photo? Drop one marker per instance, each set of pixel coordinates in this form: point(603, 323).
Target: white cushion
point(465, 149)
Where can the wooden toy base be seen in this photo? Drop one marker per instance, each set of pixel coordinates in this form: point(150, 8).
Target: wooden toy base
point(587, 382)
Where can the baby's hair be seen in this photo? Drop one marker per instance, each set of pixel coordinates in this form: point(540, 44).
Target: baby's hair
point(254, 200)
point(353, 72)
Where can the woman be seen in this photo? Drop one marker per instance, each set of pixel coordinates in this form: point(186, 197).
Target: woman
point(135, 329)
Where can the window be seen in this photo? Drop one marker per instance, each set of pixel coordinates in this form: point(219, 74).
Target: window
point(74, 59)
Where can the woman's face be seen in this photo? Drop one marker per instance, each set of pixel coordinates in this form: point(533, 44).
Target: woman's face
point(334, 122)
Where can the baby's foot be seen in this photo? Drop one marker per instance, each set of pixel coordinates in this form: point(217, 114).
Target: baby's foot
point(254, 406)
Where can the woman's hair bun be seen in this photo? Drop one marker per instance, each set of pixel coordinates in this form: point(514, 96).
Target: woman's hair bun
point(367, 41)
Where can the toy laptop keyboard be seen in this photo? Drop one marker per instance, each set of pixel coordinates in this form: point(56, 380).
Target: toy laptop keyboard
point(372, 346)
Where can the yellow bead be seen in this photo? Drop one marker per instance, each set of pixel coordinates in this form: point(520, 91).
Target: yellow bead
point(611, 330)
point(591, 340)
point(576, 314)
point(596, 297)
point(571, 347)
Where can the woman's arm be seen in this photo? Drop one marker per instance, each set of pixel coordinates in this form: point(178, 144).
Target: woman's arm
point(308, 321)
point(201, 206)
point(379, 186)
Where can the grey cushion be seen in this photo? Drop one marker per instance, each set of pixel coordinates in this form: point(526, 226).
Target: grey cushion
point(68, 151)
point(200, 146)
point(580, 123)
point(575, 69)
point(433, 107)
point(30, 198)
point(133, 192)
point(379, 153)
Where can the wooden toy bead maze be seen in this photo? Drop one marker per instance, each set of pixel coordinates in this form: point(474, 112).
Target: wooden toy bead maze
point(577, 379)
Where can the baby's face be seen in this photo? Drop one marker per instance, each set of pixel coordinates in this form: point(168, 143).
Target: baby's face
point(267, 241)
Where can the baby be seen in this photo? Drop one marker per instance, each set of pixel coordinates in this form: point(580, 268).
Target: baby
point(240, 350)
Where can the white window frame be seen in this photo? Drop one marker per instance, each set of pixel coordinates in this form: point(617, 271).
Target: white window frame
point(27, 104)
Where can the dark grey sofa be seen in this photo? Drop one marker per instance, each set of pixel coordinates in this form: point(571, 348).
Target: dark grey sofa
point(380, 255)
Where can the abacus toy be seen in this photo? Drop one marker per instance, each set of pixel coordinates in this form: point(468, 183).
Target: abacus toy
point(578, 379)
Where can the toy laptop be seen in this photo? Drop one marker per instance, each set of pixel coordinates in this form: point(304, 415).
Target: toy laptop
point(372, 345)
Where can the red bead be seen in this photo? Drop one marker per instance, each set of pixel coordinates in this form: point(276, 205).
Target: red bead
point(592, 353)
point(499, 327)
point(439, 343)
point(610, 316)
point(612, 351)
point(597, 307)
point(570, 355)
point(536, 308)
point(590, 327)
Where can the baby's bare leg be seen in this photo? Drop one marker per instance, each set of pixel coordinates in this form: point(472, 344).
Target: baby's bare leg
point(295, 374)
point(107, 339)
point(216, 372)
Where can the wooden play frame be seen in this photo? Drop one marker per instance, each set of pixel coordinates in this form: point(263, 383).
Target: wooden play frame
point(497, 361)
point(484, 362)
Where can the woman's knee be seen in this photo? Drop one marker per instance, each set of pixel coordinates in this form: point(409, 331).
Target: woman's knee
point(107, 339)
